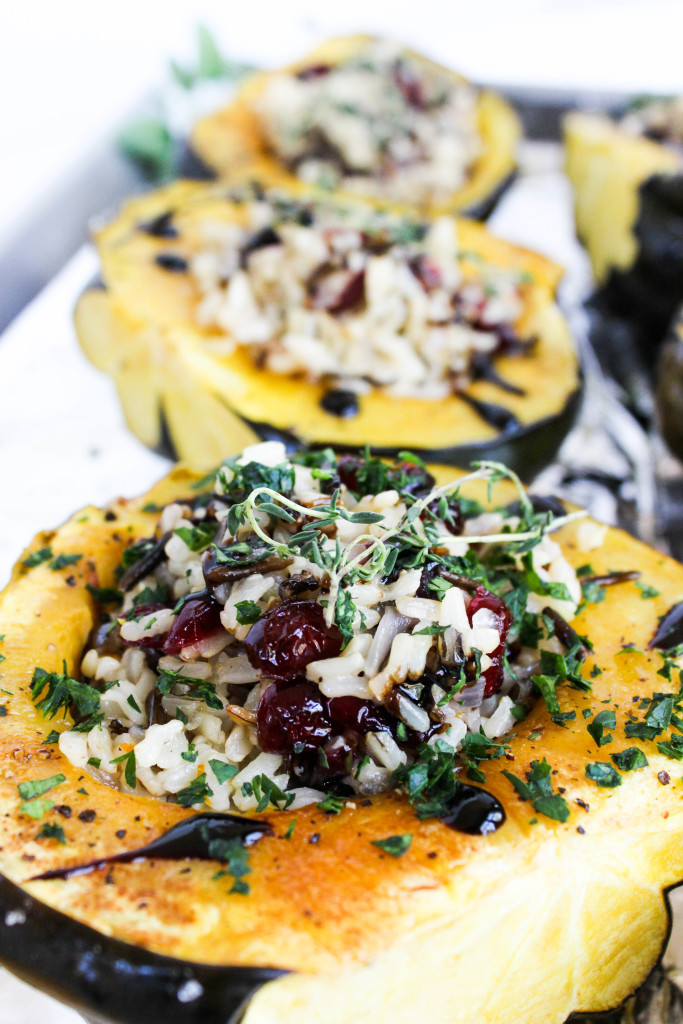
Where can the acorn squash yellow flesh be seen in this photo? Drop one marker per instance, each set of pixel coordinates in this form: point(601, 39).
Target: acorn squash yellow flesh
point(531, 923)
point(233, 136)
point(629, 215)
point(141, 330)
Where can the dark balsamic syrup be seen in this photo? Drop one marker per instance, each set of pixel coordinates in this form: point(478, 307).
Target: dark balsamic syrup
point(343, 404)
point(496, 416)
point(474, 811)
point(670, 630)
point(484, 370)
point(169, 261)
point(193, 838)
point(161, 226)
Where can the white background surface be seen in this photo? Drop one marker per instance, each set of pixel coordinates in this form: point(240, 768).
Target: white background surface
point(69, 74)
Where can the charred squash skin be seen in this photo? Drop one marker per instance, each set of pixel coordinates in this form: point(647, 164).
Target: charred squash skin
point(176, 389)
point(534, 922)
point(629, 216)
point(233, 137)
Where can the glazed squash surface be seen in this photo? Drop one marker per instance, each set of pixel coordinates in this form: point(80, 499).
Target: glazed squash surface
point(532, 922)
point(141, 329)
point(232, 137)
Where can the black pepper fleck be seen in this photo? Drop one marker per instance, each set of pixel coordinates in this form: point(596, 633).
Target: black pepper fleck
point(70, 581)
point(315, 838)
point(582, 803)
point(664, 778)
point(109, 516)
point(581, 830)
point(64, 810)
point(121, 834)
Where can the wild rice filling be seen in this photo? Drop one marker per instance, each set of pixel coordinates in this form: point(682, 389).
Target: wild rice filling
point(311, 625)
point(659, 119)
point(383, 122)
point(356, 298)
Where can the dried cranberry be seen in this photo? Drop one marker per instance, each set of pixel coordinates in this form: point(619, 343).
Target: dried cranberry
point(288, 637)
point(453, 518)
point(313, 71)
point(430, 570)
point(410, 87)
point(411, 479)
point(483, 598)
point(296, 716)
point(154, 640)
point(198, 619)
point(347, 470)
point(339, 291)
point(351, 714)
point(427, 272)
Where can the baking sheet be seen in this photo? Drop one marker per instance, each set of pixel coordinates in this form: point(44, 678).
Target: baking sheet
point(63, 442)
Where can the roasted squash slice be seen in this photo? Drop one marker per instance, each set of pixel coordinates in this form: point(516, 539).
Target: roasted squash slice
point(532, 922)
point(177, 383)
point(629, 215)
point(235, 135)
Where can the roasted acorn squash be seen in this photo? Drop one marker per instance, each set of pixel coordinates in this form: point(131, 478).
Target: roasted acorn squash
point(139, 326)
point(629, 215)
point(532, 922)
point(234, 136)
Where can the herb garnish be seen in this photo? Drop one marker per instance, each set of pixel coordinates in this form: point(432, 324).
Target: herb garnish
point(395, 846)
point(539, 790)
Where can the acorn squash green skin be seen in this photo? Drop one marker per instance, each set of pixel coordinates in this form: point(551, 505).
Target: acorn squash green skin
point(525, 449)
point(647, 295)
point(629, 216)
point(114, 982)
point(669, 387)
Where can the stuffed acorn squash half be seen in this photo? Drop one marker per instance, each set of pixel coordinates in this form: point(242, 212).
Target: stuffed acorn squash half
point(230, 313)
point(628, 183)
point(321, 738)
point(364, 116)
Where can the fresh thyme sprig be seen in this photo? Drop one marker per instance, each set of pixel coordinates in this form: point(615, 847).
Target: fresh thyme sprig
point(372, 558)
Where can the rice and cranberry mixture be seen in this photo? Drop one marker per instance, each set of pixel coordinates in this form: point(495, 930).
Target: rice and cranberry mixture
point(356, 297)
point(310, 624)
point(383, 122)
point(659, 119)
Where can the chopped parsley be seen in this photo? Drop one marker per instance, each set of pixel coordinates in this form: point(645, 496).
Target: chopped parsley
point(603, 774)
point(267, 792)
point(647, 592)
point(128, 760)
point(55, 691)
point(201, 688)
point(538, 789)
point(235, 856)
point(601, 727)
point(37, 808)
point(62, 561)
point(629, 760)
point(195, 793)
point(38, 557)
point(51, 830)
point(247, 612)
point(38, 787)
point(199, 536)
point(222, 771)
point(331, 805)
point(105, 595)
point(395, 846)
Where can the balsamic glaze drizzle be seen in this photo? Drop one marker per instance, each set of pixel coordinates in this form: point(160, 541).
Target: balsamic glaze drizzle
point(474, 811)
point(496, 416)
point(483, 369)
point(338, 402)
point(192, 838)
point(669, 632)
